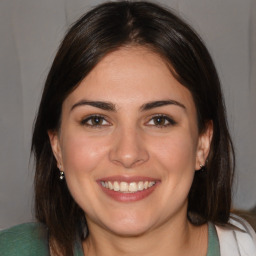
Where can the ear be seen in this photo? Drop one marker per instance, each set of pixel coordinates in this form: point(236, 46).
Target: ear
point(56, 149)
point(204, 144)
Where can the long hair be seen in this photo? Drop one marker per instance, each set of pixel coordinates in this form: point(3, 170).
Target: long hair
point(105, 29)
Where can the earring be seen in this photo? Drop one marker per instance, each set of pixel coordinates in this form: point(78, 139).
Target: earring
point(61, 172)
point(202, 168)
point(61, 175)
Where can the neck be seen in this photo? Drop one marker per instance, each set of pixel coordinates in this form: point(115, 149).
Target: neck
point(172, 238)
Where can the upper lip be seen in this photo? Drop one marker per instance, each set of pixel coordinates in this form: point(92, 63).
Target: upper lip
point(127, 179)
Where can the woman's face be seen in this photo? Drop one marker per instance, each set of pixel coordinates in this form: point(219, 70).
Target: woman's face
point(129, 143)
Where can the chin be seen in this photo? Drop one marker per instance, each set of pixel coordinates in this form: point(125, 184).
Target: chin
point(129, 230)
point(132, 225)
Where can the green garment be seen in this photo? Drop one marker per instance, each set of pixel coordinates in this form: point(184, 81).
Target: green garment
point(31, 239)
point(213, 241)
point(23, 240)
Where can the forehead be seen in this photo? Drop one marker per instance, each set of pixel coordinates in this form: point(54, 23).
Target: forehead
point(129, 74)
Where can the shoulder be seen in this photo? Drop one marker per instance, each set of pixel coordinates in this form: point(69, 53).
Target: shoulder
point(237, 238)
point(25, 239)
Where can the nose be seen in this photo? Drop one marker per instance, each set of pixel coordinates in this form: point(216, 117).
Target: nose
point(128, 148)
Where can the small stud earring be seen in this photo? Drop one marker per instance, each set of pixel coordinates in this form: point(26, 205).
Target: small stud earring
point(202, 168)
point(61, 172)
point(61, 175)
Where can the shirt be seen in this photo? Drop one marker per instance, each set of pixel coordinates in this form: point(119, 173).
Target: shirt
point(32, 239)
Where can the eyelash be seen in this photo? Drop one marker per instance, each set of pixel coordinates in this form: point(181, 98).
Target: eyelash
point(170, 121)
point(85, 122)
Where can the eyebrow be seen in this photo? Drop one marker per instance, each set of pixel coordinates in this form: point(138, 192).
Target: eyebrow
point(111, 107)
point(155, 104)
point(98, 104)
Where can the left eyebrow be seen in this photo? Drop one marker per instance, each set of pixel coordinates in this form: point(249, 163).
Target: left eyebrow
point(160, 103)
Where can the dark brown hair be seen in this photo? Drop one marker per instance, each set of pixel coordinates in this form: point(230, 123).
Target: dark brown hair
point(99, 32)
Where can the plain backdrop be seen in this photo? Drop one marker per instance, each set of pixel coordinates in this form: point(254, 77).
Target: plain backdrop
point(30, 32)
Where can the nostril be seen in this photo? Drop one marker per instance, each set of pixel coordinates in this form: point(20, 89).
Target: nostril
point(128, 163)
point(128, 149)
point(129, 160)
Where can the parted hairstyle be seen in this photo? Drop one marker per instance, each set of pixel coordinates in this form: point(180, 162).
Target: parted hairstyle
point(99, 32)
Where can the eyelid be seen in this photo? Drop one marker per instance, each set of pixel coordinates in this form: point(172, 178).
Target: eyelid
point(84, 121)
point(167, 117)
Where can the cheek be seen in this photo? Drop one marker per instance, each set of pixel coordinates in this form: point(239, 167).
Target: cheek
point(82, 157)
point(177, 151)
point(82, 153)
point(176, 156)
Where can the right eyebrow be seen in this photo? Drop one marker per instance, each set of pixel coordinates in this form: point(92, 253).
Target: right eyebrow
point(98, 104)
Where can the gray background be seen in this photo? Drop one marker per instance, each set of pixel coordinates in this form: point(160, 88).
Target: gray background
point(30, 32)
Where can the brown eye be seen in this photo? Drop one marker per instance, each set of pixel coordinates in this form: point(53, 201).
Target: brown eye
point(95, 121)
point(161, 121)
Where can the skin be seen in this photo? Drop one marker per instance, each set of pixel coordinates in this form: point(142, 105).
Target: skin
point(130, 142)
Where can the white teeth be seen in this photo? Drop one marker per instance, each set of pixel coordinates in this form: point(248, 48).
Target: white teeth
point(116, 186)
point(133, 187)
point(140, 186)
point(125, 187)
point(110, 186)
point(151, 183)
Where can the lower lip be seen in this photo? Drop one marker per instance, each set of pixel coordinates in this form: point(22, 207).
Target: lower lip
point(129, 197)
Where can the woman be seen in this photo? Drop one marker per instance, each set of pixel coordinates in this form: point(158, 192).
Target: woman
point(133, 154)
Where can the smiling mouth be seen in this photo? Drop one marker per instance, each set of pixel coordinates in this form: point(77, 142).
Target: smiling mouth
point(127, 187)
